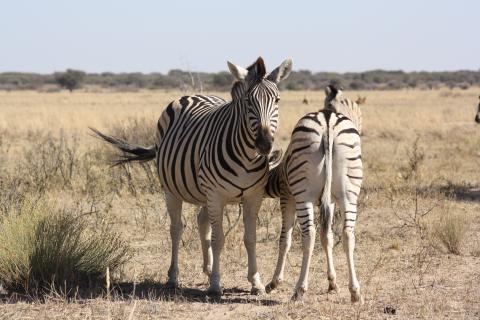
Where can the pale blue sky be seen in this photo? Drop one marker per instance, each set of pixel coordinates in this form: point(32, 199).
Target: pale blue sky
point(156, 36)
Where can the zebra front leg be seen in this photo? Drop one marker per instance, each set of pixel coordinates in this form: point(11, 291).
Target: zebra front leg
point(348, 239)
point(205, 231)
point(327, 244)
point(251, 206)
point(288, 219)
point(174, 208)
point(215, 216)
point(306, 221)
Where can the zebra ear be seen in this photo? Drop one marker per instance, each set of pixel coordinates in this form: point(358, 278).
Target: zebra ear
point(332, 91)
point(281, 72)
point(238, 72)
point(328, 90)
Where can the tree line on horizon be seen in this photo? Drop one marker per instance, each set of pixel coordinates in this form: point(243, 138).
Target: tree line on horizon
point(221, 81)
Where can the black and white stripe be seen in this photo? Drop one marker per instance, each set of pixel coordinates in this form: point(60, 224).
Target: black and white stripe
point(211, 152)
point(323, 158)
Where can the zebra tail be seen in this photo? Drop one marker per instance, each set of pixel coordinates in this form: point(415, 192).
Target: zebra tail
point(325, 207)
point(132, 152)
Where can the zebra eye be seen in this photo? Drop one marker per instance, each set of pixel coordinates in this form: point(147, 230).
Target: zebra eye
point(277, 99)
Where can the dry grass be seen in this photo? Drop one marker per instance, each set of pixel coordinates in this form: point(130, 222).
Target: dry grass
point(450, 230)
point(409, 191)
point(44, 248)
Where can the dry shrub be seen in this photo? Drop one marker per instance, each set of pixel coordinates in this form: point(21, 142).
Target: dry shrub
point(44, 247)
point(49, 161)
point(138, 130)
point(139, 177)
point(449, 230)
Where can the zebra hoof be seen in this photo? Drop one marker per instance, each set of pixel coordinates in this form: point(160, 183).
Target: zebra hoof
point(214, 291)
point(300, 295)
point(258, 291)
point(271, 286)
point(356, 297)
point(332, 288)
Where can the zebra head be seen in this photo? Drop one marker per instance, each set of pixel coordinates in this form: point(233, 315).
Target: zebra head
point(334, 100)
point(260, 96)
point(332, 92)
point(477, 117)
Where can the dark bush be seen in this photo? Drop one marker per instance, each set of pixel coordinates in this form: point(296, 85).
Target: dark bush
point(70, 79)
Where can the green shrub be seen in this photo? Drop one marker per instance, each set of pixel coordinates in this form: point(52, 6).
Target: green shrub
point(43, 247)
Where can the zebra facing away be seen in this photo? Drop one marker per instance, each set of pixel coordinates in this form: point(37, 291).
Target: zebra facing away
point(211, 152)
point(323, 158)
point(477, 117)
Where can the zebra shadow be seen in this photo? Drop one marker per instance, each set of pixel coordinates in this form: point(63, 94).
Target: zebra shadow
point(461, 192)
point(159, 291)
point(142, 291)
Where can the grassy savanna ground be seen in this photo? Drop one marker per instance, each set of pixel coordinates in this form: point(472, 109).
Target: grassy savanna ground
point(421, 152)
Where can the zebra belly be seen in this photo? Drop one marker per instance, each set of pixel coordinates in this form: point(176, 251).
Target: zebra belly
point(179, 176)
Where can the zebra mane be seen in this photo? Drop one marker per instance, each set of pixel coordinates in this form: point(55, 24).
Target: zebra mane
point(238, 90)
point(257, 70)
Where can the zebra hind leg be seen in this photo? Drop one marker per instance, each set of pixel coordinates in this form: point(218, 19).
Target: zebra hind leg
point(215, 207)
point(327, 244)
point(205, 231)
point(174, 208)
point(288, 219)
point(349, 210)
point(306, 221)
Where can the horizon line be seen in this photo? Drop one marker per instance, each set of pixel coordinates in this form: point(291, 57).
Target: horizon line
point(226, 70)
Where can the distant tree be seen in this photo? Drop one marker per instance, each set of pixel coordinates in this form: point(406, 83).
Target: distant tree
point(70, 79)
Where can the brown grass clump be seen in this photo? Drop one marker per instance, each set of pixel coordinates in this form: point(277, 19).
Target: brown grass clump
point(43, 248)
point(450, 230)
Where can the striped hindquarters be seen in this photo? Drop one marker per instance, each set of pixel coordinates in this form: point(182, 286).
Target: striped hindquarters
point(302, 171)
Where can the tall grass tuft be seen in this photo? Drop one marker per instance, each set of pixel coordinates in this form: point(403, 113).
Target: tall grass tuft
point(450, 231)
point(43, 247)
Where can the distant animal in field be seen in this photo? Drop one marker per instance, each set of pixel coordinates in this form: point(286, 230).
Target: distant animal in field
point(361, 100)
point(477, 117)
point(305, 100)
point(322, 159)
point(211, 152)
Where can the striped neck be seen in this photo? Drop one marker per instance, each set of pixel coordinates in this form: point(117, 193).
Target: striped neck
point(243, 134)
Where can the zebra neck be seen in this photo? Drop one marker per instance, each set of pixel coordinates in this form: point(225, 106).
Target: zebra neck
point(243, 136)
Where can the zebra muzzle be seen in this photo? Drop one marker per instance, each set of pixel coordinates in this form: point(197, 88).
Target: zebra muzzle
point(264, 141)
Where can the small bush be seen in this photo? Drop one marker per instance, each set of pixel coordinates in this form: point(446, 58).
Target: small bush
point(70, 79)
point(450, 230)
point(43, 247)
